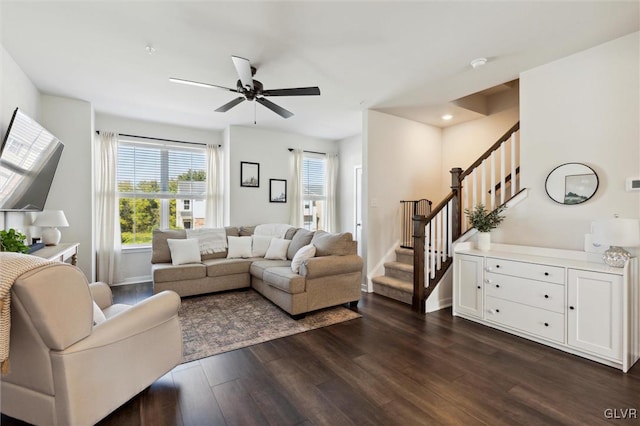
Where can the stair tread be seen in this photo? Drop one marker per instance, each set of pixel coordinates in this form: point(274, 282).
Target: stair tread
point(399, 265)
point(408, 252)
point(394, 282)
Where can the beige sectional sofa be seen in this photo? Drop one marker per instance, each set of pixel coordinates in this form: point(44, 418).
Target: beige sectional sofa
point(332, 277)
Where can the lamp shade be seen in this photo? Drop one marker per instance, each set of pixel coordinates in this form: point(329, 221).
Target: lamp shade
point(617, 232)
point(52, 219)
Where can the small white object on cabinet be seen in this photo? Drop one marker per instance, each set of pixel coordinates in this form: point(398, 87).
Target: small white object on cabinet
point(566, 299)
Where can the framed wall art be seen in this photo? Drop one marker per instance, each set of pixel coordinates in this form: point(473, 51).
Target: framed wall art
point(277, 190)
point(249, 174)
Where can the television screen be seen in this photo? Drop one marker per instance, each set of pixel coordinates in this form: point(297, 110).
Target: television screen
point(28, 160)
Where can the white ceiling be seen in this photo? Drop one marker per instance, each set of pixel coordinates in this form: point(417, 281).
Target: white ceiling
point(406, 58)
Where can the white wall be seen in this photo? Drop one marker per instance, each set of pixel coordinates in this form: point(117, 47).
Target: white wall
point(582, 108)
point(71, 120)
point(16, 91)
point(350, 152)
point(251, 206)
point(402, 162)
point(135, 264)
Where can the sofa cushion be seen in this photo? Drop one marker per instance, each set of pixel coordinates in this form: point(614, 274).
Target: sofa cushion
point(277, 249)
point(239, 247)
point(328, 244)
point(163, 272)
point(305, 253)
point(222, 267)
point(161, 252)
point(283, 278)
point(260, 245)
point(301, 238)
point(290, 233)
point(246, 231)
point(259, 266)
point(184, 251)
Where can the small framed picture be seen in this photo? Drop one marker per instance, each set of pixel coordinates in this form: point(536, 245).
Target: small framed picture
point(277, 190)
point(249, 174)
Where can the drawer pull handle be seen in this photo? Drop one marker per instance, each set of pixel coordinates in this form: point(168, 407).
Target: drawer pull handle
point(546, 274)
point(497, 266)
point(497, 311)
point(494, 311)
point(497, 285)
point(546, 296)
point(546, 324)
point(479, 287)
point(571, 307)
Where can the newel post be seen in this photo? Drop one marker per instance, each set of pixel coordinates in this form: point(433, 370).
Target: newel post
point(418, 300)
point(456, 187)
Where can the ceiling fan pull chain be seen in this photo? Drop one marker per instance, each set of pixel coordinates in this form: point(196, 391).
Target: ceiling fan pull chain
point(254, 113)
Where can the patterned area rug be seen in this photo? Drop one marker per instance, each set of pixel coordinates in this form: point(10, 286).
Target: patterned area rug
point(223, 322)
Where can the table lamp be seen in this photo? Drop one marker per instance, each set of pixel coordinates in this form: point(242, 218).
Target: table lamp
point(616, 233)
point(51, 220)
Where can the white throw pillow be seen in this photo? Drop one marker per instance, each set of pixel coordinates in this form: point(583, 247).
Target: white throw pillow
point(239, 247)
point(306, 252)
point(183, 251)
point(277, 249)
point(98, 315)
point(260, 245)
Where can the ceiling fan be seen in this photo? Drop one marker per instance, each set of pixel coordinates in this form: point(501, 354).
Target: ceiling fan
point(252, 90)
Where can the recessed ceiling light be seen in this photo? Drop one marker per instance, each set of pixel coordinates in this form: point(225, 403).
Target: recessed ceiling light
point(478, 62)
point(447, 117)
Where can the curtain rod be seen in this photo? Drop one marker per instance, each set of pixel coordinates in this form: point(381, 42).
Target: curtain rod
point(159, 139)
point(309, 152)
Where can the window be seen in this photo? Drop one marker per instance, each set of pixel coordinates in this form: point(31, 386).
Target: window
point(313, 190)
point(159, 186)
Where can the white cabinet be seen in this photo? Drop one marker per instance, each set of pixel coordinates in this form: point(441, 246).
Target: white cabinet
point(561, 298)
point(594, 321)
point(469, 290)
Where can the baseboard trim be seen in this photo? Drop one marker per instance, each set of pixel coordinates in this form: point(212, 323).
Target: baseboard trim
point(134, 280)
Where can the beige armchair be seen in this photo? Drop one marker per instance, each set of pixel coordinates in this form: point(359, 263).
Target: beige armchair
point(64, 370)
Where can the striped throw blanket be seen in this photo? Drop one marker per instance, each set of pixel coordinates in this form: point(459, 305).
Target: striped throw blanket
point(12, 265)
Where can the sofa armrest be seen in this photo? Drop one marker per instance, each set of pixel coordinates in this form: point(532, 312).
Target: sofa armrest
point(330, 265)
point(141, 317)
point(101, 294)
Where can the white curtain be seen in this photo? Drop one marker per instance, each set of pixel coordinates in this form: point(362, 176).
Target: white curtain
point(108, 243)
point(213, 201)
point(297, 218)
point(331, 187)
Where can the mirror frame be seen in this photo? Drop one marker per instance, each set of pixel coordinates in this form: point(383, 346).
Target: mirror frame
point(558, 170)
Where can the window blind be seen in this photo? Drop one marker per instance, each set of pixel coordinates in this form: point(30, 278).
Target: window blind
point(160, 172)
point(313, 172)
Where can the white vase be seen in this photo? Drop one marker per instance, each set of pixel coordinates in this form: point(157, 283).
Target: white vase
point(484, 241)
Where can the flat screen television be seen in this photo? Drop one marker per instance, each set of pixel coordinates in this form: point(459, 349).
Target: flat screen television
point(29, 157)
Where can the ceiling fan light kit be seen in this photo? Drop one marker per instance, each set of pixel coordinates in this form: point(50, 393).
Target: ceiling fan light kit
point(252, 90)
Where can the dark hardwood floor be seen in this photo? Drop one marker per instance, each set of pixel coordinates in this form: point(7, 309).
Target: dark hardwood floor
point(391, 367)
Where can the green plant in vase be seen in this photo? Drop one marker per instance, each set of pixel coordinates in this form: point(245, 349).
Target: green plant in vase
point(13, 241)
point(484, 222)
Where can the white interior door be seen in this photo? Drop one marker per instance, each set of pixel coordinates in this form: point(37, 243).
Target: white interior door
point(358, 208)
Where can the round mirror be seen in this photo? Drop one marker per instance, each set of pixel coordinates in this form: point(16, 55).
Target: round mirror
point(571, 183)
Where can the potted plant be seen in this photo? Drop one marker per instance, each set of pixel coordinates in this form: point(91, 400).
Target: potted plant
point(484, 222)
point(13, 241)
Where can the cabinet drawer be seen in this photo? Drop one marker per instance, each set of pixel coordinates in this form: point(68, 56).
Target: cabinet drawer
point(534, 271)
point(540, 322)
point(528, 292)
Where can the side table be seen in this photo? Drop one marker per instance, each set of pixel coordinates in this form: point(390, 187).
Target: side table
point(61, 252)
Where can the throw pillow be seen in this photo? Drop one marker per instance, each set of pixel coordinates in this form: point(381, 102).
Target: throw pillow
point(239, 247)
point(277, 249)
point(306, 252)
point(299, 240)
point(260, 245)
point(98, 315)
point(328, 244)
point(184, 251)
point(161, 252)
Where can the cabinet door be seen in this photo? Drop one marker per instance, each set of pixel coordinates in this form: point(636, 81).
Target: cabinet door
point(595, 312)
point(467, 283)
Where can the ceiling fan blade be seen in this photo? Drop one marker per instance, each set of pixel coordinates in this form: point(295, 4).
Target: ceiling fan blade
point(275, 108)
point(197, 83)
point(243, 68)
point(226, 107)
point(298, 91)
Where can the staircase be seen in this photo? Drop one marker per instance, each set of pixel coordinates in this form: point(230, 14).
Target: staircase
point(397, 281)
point(487, 181)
